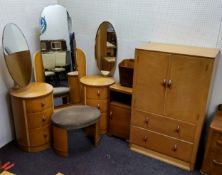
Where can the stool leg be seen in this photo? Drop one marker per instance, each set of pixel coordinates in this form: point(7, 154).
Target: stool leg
point(93, 132)
point(60, 141)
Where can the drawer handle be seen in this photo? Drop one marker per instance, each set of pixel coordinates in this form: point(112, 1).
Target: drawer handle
point(43, 119)
point(219, 142)
point(217, 163)
point(45, 135)
point(164, 83)
point(145, 138)
point(147, 120)
point(174, 149)
point(42, 104)
point(111, 115)
point(169, 83)
point(178, 129)
point(98, 93)
point(98, 106)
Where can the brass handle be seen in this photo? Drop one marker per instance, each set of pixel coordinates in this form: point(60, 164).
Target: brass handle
point(111, 115)
point(219, 142)
point(164, 82)
point(178, 129)
point(174, 148)
point(217, 163)
point(169, 83)
point(98, 106)
point(145, 138)
point(98, 93)
point(147, 120)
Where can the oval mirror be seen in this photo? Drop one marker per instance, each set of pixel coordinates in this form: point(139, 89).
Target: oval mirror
point(17, 55)
point(106, 48)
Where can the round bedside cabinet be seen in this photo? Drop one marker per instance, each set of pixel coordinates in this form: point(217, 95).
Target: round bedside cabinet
point(96, 93)
point(32, 110)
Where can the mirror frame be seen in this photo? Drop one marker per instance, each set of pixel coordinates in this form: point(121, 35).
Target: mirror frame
point(111, 72)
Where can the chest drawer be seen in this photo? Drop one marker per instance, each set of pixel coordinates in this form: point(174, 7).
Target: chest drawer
point(36, 120)
point(170, 127)
point(161, 143)
point(39, 136)
point(39, 104)
point(97, 92)
point(102, 105)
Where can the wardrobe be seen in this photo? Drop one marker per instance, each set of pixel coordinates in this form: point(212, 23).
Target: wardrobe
point(170, 95)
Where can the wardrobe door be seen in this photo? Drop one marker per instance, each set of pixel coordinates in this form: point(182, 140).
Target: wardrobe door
point(187, 87)
point(150, 81)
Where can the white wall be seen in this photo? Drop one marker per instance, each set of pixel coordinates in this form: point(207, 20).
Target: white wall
point(26, 14)
point(190, 22)
point(56, 24)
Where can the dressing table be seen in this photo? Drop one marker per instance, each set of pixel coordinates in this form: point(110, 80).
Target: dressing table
point(96, 93)
point(32, 109)
point(96, 87)
point(32, 103)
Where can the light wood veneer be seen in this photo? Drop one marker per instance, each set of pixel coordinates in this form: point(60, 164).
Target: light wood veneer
point(170, 95)
point(96, 93)
point(32, 109)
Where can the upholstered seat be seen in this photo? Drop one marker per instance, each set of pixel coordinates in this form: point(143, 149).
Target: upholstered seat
point(74, 117)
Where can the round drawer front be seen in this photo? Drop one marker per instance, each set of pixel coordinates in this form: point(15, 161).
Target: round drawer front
point(97, 92)
point(37, 120)
point(39, 104)
point(39, 136)
point(102, 105)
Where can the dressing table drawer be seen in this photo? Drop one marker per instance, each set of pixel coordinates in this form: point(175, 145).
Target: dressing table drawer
point(172, 127)
point(96, 92)
point(161, 143)
point(37, 120)
point(39, 136)
point(102, 105)
point(38, 104)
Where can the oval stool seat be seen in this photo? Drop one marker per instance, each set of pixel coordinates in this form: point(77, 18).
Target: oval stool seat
point(76, 117)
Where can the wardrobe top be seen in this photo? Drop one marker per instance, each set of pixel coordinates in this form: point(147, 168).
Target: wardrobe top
point(181, 49)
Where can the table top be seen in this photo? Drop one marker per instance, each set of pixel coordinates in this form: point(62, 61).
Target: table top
point(97, 80)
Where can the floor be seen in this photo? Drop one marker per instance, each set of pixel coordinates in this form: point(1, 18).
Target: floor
point(111, 157)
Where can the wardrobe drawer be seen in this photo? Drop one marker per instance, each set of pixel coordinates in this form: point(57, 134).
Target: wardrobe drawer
point(102, 105)
point(96, 92)
point(39, 136)
point(217, 147)
point(161, 143)
point(164, 125)
point(39, 104)
point(37, 120)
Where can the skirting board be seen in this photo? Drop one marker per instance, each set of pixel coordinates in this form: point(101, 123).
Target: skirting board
point(162, 157)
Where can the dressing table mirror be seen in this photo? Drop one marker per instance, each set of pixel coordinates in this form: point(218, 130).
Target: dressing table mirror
point(106, 48)
point(56, 49)
point(32, 102)
point(17, 56)
point(96, 87)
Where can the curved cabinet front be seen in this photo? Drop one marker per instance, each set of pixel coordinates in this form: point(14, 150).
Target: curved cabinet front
point(32, 110)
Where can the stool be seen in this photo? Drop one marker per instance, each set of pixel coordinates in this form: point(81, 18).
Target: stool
point(74, 117)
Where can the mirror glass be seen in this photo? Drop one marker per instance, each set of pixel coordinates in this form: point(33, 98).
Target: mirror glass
point(17, 55)
point(106, 48)
point(55, 42)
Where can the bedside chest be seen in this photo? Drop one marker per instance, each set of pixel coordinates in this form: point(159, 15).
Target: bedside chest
point(96, 93)
point(32, 109)
point(212, 164)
